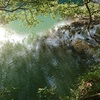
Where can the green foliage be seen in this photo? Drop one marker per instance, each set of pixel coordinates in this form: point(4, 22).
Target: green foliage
point(88, 84)
point(8, 93)
point(27, 10)
point(46, 94)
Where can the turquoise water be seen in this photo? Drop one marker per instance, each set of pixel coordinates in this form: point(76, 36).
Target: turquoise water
point(47, 61)
point(23, 70)
point(75, 1)
point(46, 23)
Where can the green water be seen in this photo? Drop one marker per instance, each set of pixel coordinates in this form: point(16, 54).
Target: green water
point(22, 74)
point(25, 69)
point(68, 1)
point(46, 23)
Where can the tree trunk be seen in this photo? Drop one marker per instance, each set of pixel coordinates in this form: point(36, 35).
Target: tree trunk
point(90, 16)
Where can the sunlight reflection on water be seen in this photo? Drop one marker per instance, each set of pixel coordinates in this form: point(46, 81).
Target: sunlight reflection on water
point(10, 36)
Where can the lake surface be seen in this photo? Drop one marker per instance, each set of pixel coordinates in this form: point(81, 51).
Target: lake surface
point(47, 62)
point(68, 1)
point(47, 22)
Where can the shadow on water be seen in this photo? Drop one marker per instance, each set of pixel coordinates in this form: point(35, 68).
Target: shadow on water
point(69, 1)
point(47, 63)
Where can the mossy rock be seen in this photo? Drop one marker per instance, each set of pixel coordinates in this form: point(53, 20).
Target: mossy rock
point(82, 47)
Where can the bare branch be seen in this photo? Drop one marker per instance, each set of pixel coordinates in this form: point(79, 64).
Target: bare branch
point(15, 9)
point(19, 8)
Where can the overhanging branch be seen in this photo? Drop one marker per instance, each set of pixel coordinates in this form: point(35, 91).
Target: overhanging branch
point(4, 8)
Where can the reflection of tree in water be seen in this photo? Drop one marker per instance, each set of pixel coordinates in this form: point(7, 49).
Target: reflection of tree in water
point(52, 64)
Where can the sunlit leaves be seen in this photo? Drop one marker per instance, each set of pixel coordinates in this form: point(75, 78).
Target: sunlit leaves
point(27, 10)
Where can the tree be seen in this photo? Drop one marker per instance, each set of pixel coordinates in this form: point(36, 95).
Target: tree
point(27, 10)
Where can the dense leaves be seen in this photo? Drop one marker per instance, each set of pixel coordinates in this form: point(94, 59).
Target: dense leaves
point(27, 10)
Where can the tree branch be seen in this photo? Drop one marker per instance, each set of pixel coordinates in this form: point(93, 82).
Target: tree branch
point(15, 9)
point(90, 16)
point(4, 7)
point(92, 97)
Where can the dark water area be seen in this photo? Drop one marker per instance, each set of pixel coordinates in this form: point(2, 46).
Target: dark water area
point(51, 60)
point(69, 1)
point(22, 74)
